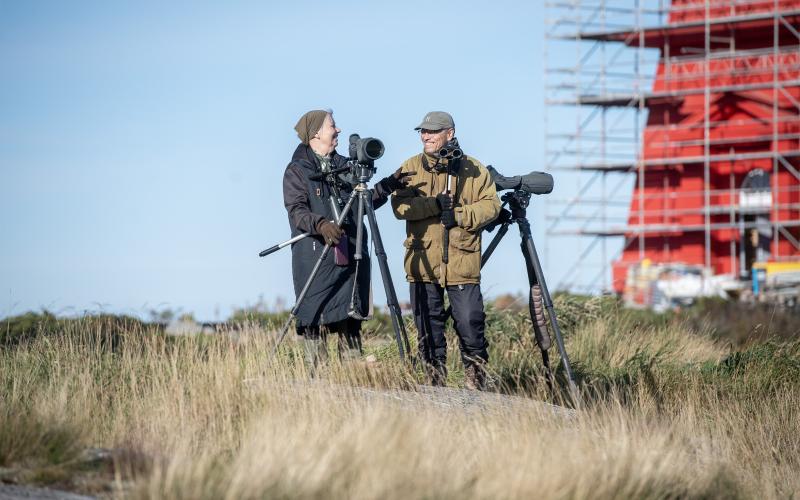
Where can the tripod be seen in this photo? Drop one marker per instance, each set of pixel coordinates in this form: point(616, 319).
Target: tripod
point(539, 299)
point(363, 195)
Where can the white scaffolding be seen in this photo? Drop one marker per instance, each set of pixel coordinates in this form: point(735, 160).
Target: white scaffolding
point(600, 68)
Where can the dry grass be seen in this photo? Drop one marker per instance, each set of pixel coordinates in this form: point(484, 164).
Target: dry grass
point(668, 415)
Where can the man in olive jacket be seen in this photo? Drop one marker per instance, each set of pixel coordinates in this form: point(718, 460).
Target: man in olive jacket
point(429, 211)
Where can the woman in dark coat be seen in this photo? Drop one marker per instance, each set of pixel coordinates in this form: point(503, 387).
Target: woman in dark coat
point(338, 295)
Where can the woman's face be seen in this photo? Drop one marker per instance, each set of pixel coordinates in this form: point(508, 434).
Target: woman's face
point(327, 137)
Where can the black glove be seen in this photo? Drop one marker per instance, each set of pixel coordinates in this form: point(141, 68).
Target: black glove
point(444, 201)
point(397, 180)
point(330, 231)
point(448, 218)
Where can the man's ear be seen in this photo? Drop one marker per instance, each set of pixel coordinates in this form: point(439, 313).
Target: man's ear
point(451, 133)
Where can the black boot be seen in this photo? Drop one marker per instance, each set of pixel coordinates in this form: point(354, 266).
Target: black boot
point(474, 377)
point(437, 373)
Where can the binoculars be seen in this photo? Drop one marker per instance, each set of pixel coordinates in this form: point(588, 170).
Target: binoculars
point(451, 150)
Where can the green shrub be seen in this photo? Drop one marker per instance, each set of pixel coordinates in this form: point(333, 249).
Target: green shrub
point(379, 325)
point(106, 329)
point(742, 323)
point(26, 436)
point(16, 329)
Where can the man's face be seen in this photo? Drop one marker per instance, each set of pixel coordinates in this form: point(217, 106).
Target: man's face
point(328, 135)
point(434, 140)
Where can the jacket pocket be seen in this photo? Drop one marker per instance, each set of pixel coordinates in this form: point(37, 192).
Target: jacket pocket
point(418, 265)
point(464, 240)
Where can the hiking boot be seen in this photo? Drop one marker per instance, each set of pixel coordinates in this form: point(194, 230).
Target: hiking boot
point(474, 377)
point(437, 374)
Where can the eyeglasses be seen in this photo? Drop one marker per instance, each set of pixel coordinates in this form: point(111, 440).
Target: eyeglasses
point(433, 132)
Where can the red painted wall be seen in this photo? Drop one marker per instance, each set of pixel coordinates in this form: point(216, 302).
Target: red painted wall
point(741, 122)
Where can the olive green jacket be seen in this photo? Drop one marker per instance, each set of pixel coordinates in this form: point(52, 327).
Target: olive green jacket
point(476, 204)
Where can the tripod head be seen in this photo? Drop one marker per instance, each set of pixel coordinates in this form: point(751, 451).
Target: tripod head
point(518, 201)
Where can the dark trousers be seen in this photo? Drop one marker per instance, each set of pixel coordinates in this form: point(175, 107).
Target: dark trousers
point(427, 301)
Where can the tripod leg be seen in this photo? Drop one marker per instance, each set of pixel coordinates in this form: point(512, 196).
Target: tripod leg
point(351, 310)
point(314, 271)
point(391, 296)
point(548, 372)
point(428, 302)
point(495, 241)
point(293, 313)
point(529, 249)
point(536, 309)
point(359, 227)
point(488, 253)
point(358, 257)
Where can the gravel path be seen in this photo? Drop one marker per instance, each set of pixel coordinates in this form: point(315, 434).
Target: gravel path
point(447, 399)
point(466, 401)
point(13, 492)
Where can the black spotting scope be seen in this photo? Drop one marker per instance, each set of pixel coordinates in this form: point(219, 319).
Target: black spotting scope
point(533, 182)
point(365, 150)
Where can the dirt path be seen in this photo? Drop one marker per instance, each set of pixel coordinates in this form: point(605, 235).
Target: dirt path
point(447, 399)
point(14, 492)
point(465, 401)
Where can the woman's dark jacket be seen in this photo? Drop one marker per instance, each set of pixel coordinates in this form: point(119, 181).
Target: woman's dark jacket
point(307, 203)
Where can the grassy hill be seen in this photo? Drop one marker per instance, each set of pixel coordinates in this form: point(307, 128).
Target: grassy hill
point(690, 405)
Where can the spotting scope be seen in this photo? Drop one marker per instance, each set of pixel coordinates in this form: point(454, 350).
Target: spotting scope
point(533, 182)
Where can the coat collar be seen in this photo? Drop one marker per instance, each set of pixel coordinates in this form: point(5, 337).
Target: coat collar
point(428, 162)
point(305, 156)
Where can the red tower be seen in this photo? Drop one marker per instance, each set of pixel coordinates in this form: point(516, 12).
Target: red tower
point(718, 164)
point(715, 124)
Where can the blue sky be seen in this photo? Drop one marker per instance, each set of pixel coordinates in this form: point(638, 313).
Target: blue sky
point(142, 144)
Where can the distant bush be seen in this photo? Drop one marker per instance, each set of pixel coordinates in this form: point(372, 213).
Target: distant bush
point(106, 328)
point(256, 316)
point(379, 325)
point(728, 321)
point(16, 329)
point(742, 323)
